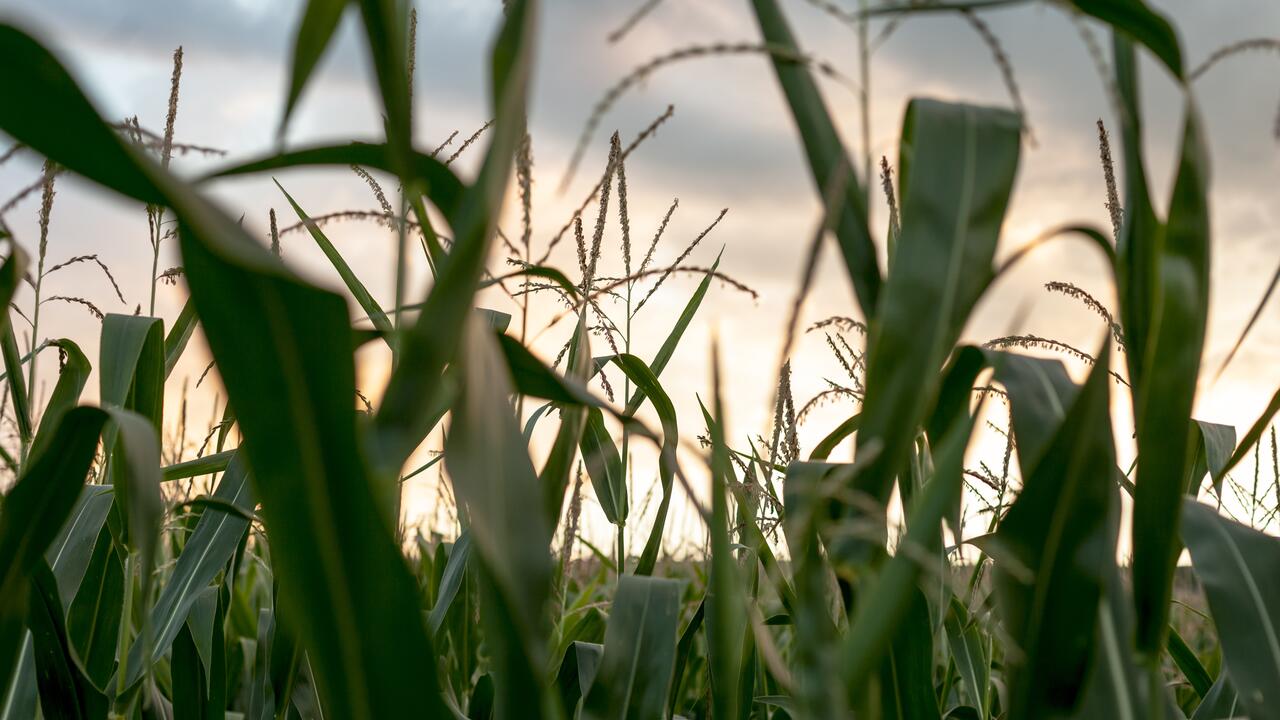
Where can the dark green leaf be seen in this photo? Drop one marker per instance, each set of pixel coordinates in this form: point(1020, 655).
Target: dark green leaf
point(957, 168)
point(315, 30)
point(357, 288)
point(34, 511)
point(1166, 392)
point(634, 678)
point(577, 672)
point(906, 675)
point(1052, 553)
point(65, 694)
point(189, 681)
point(93, 617)
point(1239, 568)
point(828, 161)
point(72, 378)
point(494, 480)
point(1140, 22)
point(454, 574)
point(176, 341)
point(206, 553)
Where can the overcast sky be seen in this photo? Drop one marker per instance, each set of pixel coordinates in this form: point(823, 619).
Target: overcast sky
point(731, 144)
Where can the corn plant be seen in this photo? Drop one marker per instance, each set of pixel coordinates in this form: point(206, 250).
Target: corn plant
point(289, 590)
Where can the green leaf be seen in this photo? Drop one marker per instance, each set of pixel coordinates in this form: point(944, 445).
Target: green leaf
point(34, 511)
point(1137, 20)
point(672, 341)
point(1213, 445)
point(261, 698)
point(72, 378)
point(357, 288)
point(1220, 702)
point(957, 168)
point(604, 467)
point(1239, 568)
point(494, 481)
point(442, 187)
point(828, 444)
point(889, 599)
point(818, 691)
point(207, 465)
point(1185, 658)
point(70, 552)
point(206, 552)
point(726, 615)
point(432, 341)
point(1040, 393)
point(315, 31)
point(634, 678)
point(906, 675)
point(828, 162)
point(93, 618)
point(353, 600)
point(969, 652)
point(683, 649)
point(577, 672)
point(386, 33)
point(11, 274)
point(131, 365)
point(135, 475)
point(65, 694)
point(176, 341)
point(1166, 392)
point(454, 573)
point(645, 378)
point(1137, 248)
point(17, 386)
point(189, 681)
point(1053, 552)
point(69, 556)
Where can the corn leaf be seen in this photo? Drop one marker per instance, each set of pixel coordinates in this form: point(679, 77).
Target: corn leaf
point(315, 30)
point(34, 511)
point(1052, 551)
point(357, 288)
point(634, 678)
point(828, 162)
point(957, 168)
point(1239, 568)
point(65, 693)
point(1166, 392)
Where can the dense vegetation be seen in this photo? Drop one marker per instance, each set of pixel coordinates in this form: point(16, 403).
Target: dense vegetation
point(288, 591)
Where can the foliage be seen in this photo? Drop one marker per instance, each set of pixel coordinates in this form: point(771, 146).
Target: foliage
point(287, 590)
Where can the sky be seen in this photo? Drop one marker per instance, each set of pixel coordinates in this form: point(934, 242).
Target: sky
point(730, 144)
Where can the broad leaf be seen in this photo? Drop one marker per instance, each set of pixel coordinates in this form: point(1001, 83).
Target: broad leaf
point(1239, 568)
point(634, 678)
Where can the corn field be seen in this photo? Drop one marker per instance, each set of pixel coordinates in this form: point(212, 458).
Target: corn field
point(272, 575)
